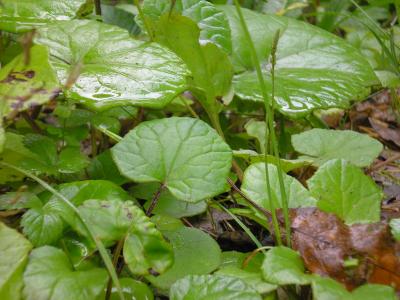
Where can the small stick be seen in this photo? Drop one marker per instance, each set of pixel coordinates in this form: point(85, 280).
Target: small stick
point(155, 199)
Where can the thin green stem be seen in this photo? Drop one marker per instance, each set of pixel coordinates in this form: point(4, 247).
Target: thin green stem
point(102, 250)
point(268, 118)
point(146, 23)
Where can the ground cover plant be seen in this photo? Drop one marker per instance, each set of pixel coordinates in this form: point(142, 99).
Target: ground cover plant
point(194, 149)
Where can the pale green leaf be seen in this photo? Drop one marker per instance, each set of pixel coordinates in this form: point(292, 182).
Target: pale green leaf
point(322, 145)
point(257, 129)
point(50, 276)
point(212, 287)
point(195, 253)
point(112, 69)
point(315, 69)
point(284, 266)
point(255, 187)
point(23, 15)
point(14, 249)
point(395, 228)
point(213, 24)
point(343, 189)
point(184, 154)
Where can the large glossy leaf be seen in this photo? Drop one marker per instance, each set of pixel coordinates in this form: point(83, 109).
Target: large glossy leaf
point(284, 266)
point(44, 225)
point(210, 66)
point(14, 249)
point(329, 289)
point(196, 253)
point(113, 68)
point(27, 81)
point(255, 187)
point(145, 250)
point(23, 15)
point(50, 276)
point(184, 154)
point(212, 287)
point(213, 24)
point(346, 191)
point(314, 70)
point(322, 145)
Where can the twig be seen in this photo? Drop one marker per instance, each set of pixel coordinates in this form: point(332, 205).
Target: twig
point(31, 122)
point(384, 163)
point(117, 254)
point(154, 201)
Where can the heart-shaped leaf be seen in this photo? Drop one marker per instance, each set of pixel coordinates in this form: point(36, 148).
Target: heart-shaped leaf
point(145, 250)
point(183, 154)
point(329, 289)
point(343, 189)
point(322, 145)
point(49, 275)
point(44, 225)
point(195, 253)
point(213, 24)
point(255, 187)
point(23, 15)
point(212, 287)
point(284, 266)
point(111, 68)
point(315, 69)
point(27, 81)
point(14, 249)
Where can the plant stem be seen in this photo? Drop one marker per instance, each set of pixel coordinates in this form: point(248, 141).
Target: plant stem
point(275, 144)
point(100, 246)
point(97, 7)
point(268, 119)
point(31, 122)
point(117, 254)
point(154, 201)
point(146, 23)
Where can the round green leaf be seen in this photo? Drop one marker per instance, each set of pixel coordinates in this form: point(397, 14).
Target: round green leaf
point(113, 68)
point(23, 15)
point(195, 252)
point(255, 187)
point(322, 145)
point(212, 287)
point(343, 189)
point(49, 276)
point(14, 249)
point(213, 24)
point(184, 154)
point(284, 266)
point(315, 69)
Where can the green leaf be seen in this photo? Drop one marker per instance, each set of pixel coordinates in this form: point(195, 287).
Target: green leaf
point(257, 129)
point(167, 204)
point(45, 225)
point(322, 145)
point(103, 167)
point(395, 228)
point(48, 160)
point(184, 154)
point(113, 68)
point(287, 165)
point(23, 15)
point(343, 189)
point(284, 266)
point(329, 289)
point(122, 15)
point(210, 66)
point(195, 253)
point(19, 200)
point(49, 275)
point(213, 24)
point(255, 187)
point(314, 70)
point(133, 289)
point(145, 250)
point(14, 152)
point(27, 83)
point(14, 249)
point(212, 287)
